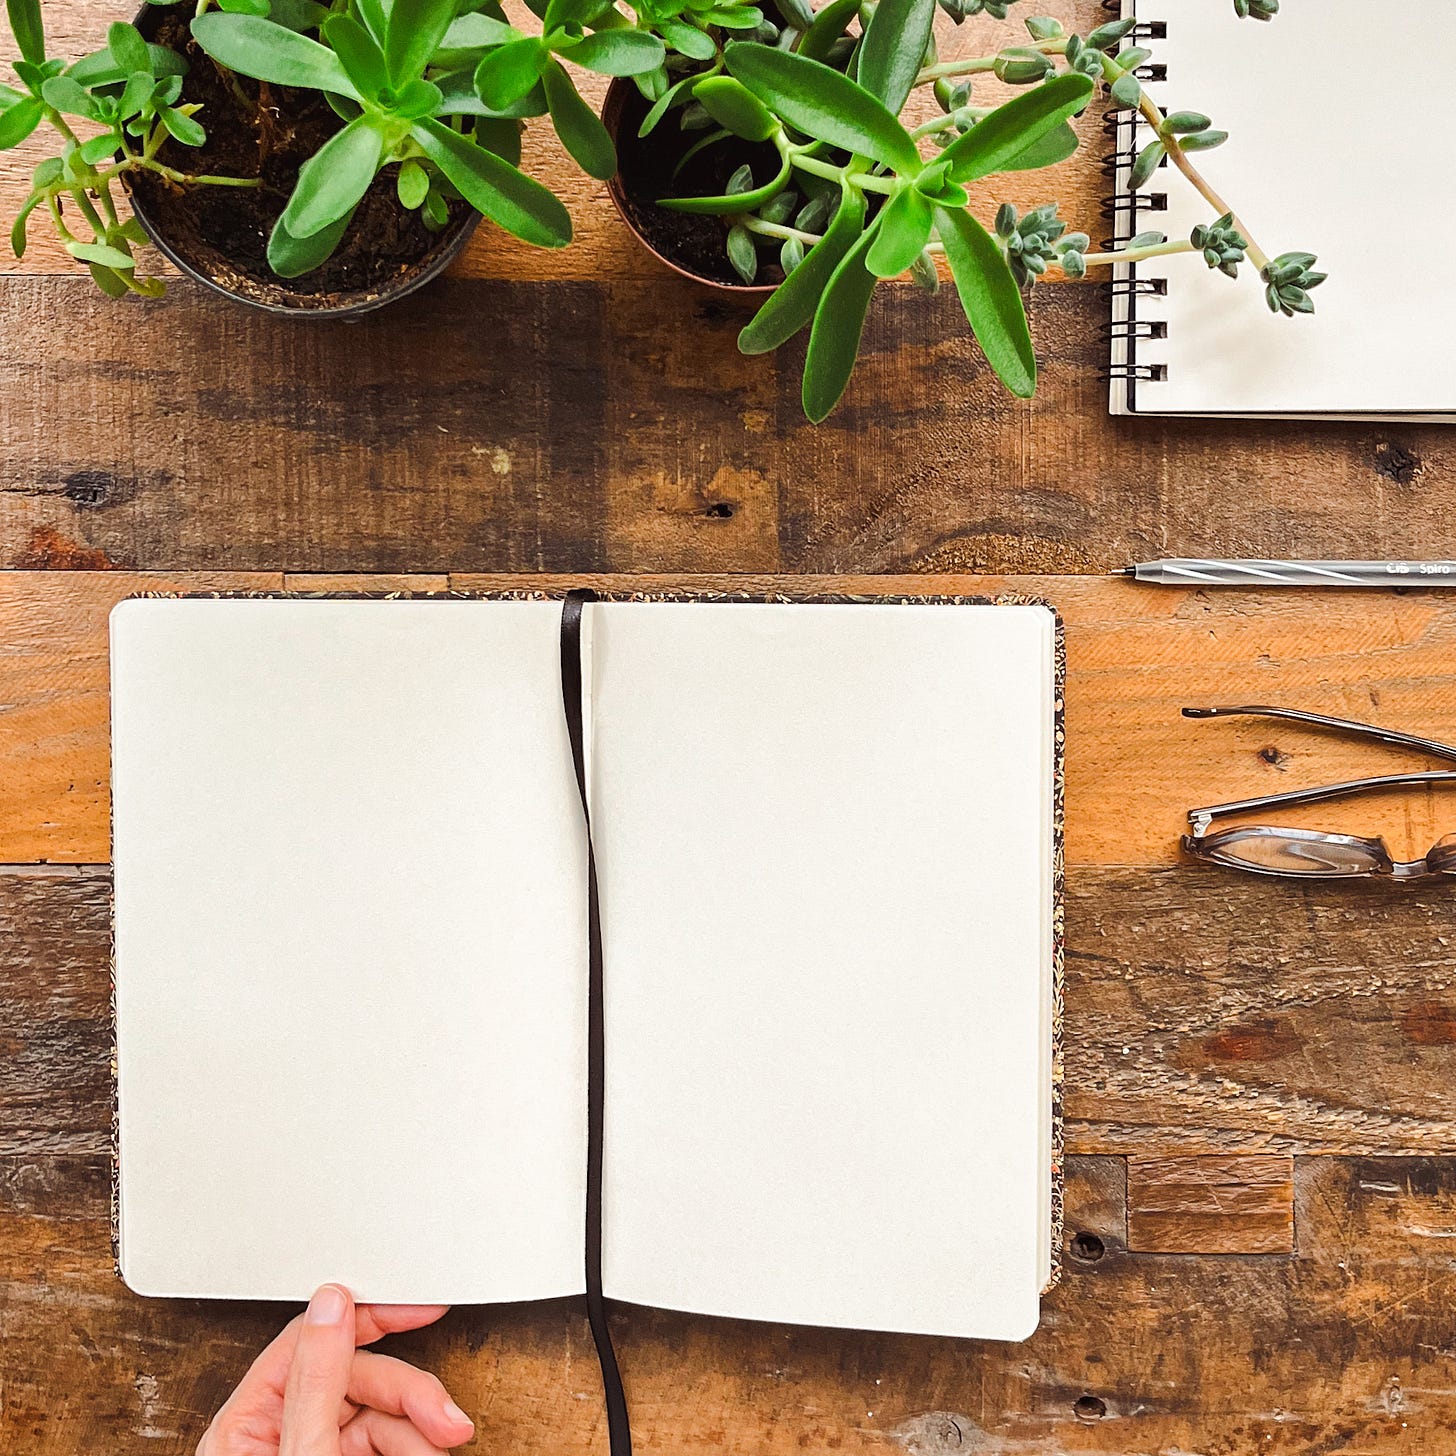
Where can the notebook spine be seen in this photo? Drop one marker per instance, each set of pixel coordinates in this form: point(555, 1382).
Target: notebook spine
point(1131, 362)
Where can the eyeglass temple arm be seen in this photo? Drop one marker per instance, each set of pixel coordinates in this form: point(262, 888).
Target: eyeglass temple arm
point(1199, 818)
point(1334, 725)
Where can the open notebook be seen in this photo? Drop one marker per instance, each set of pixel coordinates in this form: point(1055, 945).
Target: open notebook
point(1321, 158)
point(351, 954)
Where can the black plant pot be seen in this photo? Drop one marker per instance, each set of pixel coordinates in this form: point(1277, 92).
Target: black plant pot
point(178, 223)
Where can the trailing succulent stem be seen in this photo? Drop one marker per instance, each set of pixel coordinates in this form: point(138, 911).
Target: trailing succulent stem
point(855, 198)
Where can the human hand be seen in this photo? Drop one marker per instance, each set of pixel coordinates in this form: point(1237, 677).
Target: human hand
point(313, 1393)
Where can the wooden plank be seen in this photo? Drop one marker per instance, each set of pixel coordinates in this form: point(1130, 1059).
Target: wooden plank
point(1136, 656)
point(1211, 1205)
point(1343, 1347)
point(1204, 1016)
point(54, 787)
point(526, 426)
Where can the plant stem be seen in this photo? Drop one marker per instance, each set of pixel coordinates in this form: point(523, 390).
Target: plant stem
point(777, 230)
point(837, 174)
point(1137, 255)
point(979, 65)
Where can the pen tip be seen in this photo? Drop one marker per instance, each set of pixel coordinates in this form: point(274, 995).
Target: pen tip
point(1124, 571)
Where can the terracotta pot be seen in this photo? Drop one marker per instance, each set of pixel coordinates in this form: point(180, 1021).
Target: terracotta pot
point(622, 115)
point(213, 270)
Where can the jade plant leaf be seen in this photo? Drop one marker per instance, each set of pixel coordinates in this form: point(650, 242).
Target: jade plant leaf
point(618, 52)
point(413, 30)
point(730, 103)
point(507, 73)
point(25, 25)
point(579, 127)
point(267, 52)
point(992, 144)
point(333, 180)
point(901, 233)
point(291, 257)
point(495, 188)
point(793, 302)
point(893, 48)
point(823, 104)
point(838, 328)
point(991, 299)
point(360, 53)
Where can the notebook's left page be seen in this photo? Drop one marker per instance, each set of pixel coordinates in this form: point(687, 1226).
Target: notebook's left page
point(350, 950)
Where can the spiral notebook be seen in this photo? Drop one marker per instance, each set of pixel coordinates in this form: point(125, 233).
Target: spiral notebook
point(1321, 158)
point(351, 953)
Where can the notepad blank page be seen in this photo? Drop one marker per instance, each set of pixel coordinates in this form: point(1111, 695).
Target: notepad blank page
point(1320, 158)
point(824, 834)
point(351, 950)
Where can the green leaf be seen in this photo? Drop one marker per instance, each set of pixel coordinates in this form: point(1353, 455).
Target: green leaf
point(901, 232)
point(823, 104)
point(412, 184)
point(475, 31)
point(1056, 146)
point(297, 14)
point(501, 137)
point(127, 46)
point(102, 254)
point(18, 121)
point(360, 53)
point(732, 104)
point(100, 149)
point(138, 91)
point(108, 280)
point(992, 144)
point(838, 328)
point(495, 188)
point(333, 180)
point(829, 25)
point(100, 68)
point(578, 126)
point(1205, 141)
point(1127, 90)
point(245, 7)
point(269, 52)
point(187, 131)
point(1178, 123)
point(991, 299)
point(508, 72)
point(661, 106)
point(794, 301)
point(413, 30)
point(893, 49)
point(25, 26)
point(1147, 162)
point(742, 254)
point(17, 228)
point(65, 95)
point(618, 52)
point(688, 39)
point(291, 257)
point(730, 203)
point(735, 17)
point(458, 97)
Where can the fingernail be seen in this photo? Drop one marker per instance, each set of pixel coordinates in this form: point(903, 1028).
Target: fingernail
point(327, 1306)
point(454, 1413)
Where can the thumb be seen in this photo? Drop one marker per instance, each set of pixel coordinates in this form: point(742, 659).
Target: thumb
point(318, 1375)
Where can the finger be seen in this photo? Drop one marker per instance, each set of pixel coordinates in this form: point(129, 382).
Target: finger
point(377, 1320)
point(398, 1389)
point(318, 1376)
point(372, 1431)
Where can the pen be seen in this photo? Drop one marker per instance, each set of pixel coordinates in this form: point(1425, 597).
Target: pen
point(1195, 571)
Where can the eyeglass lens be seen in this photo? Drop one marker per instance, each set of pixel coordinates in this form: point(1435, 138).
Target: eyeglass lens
point(1275, 851)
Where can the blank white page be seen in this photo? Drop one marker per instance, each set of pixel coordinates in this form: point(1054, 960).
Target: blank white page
point(824, 837)
point(1321, 160)
point(350, 950)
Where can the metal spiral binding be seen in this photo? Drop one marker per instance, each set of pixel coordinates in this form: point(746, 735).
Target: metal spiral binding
point(1123, 211)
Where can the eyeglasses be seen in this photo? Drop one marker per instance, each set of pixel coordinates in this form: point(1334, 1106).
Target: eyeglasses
point(1306, 853)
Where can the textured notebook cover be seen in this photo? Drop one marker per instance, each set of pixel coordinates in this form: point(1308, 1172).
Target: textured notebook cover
point(1058, 815)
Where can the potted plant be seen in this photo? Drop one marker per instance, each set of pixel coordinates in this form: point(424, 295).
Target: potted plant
point(340, 160)
point(779, 164)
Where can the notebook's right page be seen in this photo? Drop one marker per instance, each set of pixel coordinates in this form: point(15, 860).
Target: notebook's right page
point(1323, 157)
point(825, 841)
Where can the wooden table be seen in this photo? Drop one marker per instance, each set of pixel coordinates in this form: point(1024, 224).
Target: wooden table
point(1261, 1078)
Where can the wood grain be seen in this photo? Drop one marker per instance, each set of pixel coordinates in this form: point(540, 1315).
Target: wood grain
point(586, 425)
point(1136, 655)
point(1210, 1205)
point(1342, 1345)
point(1204, 1015)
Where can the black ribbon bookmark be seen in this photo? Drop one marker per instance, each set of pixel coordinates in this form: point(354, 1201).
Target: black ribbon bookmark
point(619, 1431)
